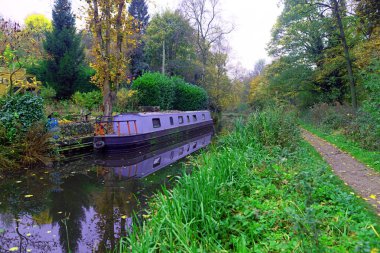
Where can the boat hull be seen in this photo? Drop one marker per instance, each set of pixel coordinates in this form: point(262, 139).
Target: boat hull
point(152, 138)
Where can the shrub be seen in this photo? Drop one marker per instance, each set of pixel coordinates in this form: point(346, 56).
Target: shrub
point(274, 127)
point(372, 103)
point(361, 126)
point(189, 97)
point(155, 89)
point(48, 93)
point(126, 99)
point(19, 112)
point(33, 148)
point(89, 100)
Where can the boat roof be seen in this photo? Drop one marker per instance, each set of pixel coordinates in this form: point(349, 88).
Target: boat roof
point(160, 113)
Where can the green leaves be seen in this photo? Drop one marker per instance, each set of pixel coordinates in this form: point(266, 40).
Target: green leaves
point(89, 100)
point(19, 112)
point(155, 89)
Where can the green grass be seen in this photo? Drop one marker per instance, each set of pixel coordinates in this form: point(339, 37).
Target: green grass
point(255, 192)
point(369, 158)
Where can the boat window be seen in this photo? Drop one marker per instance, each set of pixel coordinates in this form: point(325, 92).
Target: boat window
point(181, 151)
point(188, 119)
point(171, 121)
point(194, 145)
point(188, 147)
point(180, 119)
point(156, 161)
point(172, 155)
point(203, 116)
point(156, 123)
point(195, 118)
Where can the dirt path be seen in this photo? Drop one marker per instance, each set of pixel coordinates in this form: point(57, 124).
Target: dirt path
point(364, 181)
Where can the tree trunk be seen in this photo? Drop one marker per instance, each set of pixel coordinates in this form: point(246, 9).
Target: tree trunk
point(347, 57)
point(107, 96)
point(163, 57)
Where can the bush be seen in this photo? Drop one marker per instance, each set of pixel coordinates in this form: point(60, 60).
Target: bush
point(48, 93)
point(126, 99)
point(361, 126)
point(89, 100)
point(274, 127)
point(33, 148)
point(19, 112)
point(371, 105)
point(155, 89)
point(189, 97)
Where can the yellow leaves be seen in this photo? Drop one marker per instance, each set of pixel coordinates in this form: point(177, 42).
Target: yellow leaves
point(146, 216)
point(372, 196)
point(13, 249)
point(124, 217)
point(28, 196)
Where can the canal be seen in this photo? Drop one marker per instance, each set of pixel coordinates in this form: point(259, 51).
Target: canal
point(87, 204)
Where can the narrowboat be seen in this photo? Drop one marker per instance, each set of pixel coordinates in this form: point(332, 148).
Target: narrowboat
point(136, 129)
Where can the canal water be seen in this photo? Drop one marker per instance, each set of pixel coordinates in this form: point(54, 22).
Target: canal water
point(86, 205)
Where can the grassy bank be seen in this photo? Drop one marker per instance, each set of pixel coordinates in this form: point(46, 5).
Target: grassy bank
point(259, 189)
point(370, 158)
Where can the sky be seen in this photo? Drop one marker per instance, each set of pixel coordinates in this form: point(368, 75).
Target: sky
point(252, 21)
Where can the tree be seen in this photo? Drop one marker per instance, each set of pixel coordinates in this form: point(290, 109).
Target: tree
point(65, 53)
point(37, 25)
point(259, 67)
point(180, 52)
point(14, 48)
point(312, 34)
point(205, 17)
point(112, 30)
point(216, 82)
point(138, 9)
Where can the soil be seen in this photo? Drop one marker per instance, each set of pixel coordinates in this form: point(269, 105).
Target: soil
point(362, 179)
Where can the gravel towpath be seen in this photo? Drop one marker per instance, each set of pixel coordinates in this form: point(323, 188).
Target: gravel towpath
point(363, 180)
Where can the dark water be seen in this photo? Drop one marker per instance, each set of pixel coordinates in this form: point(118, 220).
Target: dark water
point(86, 205)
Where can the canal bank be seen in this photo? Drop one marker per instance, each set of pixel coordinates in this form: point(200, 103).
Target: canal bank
point(259, 189)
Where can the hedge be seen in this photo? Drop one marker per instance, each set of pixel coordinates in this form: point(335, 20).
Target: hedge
point(170, 93)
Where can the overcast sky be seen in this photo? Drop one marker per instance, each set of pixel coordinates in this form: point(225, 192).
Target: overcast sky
point(252, 19)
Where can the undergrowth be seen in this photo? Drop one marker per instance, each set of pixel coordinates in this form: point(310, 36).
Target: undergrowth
point(259, 189)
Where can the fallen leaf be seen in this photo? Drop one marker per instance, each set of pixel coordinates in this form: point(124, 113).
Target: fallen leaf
point(13, 249)
point(28, 250)
point(48, 232)
point(17, 182)
point(28, 234)
point(373, 196)
point(28, 196)
point(124, 217)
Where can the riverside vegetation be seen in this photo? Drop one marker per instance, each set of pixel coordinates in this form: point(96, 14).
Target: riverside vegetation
point(262, 189)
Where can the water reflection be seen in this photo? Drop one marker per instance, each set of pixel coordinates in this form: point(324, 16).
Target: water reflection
point(86, 205)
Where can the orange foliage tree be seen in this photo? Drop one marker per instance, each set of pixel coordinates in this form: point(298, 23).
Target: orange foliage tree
point(111, 26)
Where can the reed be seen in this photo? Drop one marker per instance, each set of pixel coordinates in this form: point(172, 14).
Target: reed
point(254, 193)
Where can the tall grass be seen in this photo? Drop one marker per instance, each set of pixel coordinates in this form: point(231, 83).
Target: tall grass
point(260, 189)
point(31, 148)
